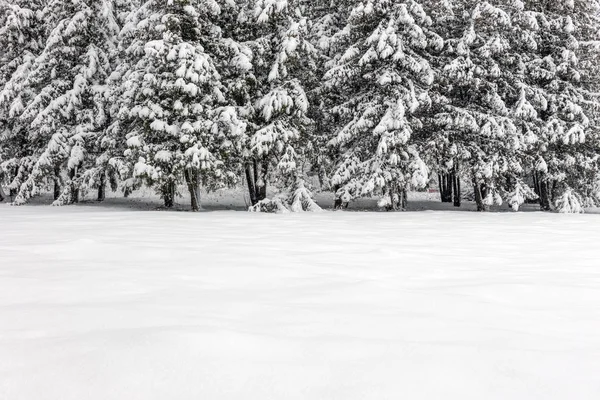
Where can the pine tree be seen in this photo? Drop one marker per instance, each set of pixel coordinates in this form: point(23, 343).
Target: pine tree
point(384, 76)
point(273, 97)
point(172, 92)
point(21, 39)
point(475, 132)
point(62, 115)
point(562, 81)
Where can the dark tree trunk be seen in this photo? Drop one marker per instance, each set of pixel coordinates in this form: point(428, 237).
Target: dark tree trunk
point(256, 173)
point(480, 195)
point(74, 188)
point(338, 203)
point(2, 194)
point(544, 194)
point(536, 184)
point(398, 198)
point(403, 199)
point(262, 190)
point(251, 184)
point(456, 190)
point(193, 184)
point(12, 193)
point(102, 188)
point(57, 183)
point(168, 193)
point(445, 183)
point(127, 192)
point(57, 189)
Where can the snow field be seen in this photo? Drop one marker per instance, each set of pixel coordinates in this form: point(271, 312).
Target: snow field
point(100, 303)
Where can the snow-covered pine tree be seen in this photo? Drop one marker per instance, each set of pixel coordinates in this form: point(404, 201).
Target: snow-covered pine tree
point(21, 39)
point(328, 17)
point(274, 95)
point(383, 76)
point(62, 116)
point(473, 128)
point(435, 145)
point(563, 85)
point(172, 92)
point(108, 166)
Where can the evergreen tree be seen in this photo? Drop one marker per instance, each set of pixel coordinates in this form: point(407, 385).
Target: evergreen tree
point(61, 115)
point(383, 76)
point(562, 81)
point(275, 38)
point(21, 39)
point(474, 132)
point(171, 93)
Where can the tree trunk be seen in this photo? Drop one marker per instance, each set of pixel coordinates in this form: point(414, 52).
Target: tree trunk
point(251, 183)
point(536, 184)
point(168, 193)
point(403, 199)
point(74, 188)
point(57, 188)
point(256, 177)
point(193, 184)
point(456, 190)
point(338, 203)
point(480, 195)
point(544, 194)
point(102, 188)
point(2, 194)
point(12, 193)
point(398, 198)
point(262, 190)
point(445, 183)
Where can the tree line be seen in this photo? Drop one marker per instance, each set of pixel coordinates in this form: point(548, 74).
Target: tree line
point(370, 98)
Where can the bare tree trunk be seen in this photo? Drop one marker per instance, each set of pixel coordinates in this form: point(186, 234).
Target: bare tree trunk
point(398, 198)
point(193, 184)
point(536, 184)
point(12, 193)
point(168, 193)
point(2, 194)
point(74, 188)
point(445, 183)
point(256, 177)
point(456, 189)
point(57, 183)
point(338, 203)
point(262, 190)
point(102, 187)
point(544, 194)
point(480, 195)
point(250, 180)
point(403, 199)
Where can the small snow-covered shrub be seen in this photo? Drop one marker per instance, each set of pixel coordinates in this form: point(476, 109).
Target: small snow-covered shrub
point(301, 200)
point(569, 203)
point(273, 206)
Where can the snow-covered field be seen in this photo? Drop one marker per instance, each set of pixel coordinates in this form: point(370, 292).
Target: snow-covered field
point(119, 304)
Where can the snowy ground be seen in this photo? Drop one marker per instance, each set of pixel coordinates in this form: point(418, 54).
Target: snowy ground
point(125, 304)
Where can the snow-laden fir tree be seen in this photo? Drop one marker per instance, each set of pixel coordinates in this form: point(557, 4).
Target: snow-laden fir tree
point(328, 17)
point(473, 128)
point(274, 34)
point(173, 99)
point(60, 113)
point(21, 39)
point(434, 142)
point(383, 77)
point(562, 93)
